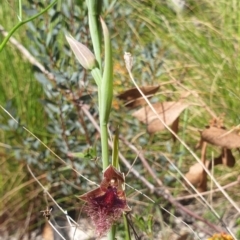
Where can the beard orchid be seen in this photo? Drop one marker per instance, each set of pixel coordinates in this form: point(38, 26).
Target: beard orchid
point(105, 204)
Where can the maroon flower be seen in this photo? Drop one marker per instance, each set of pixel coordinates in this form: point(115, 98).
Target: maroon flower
point(106, 203)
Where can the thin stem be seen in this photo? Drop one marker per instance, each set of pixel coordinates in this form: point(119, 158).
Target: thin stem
point(105, 85)
point(115, 161)
point(15, 28)
point(111, 233)
point(104, 144)
point(20, 10)
point(94, 10)
point(127, 230)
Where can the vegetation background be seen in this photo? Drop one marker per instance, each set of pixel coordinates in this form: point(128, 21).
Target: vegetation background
point(190, 46)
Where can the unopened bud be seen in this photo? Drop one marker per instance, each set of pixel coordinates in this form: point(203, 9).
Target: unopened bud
point(85, 57)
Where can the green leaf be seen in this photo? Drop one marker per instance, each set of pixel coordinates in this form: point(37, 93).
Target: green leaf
point(107, 80)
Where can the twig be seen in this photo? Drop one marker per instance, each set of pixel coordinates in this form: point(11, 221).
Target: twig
point(49, 195)
point(208, 192)
point(26, 222)
point(144, 161)
point(56, 230)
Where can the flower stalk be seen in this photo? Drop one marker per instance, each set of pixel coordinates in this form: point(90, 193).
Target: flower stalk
point(107, 203)
point(94, 11)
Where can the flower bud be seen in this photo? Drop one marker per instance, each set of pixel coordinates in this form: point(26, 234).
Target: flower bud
point(85, 57)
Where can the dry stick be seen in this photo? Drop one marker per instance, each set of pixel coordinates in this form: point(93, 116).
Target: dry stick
point(50, 196)
point(56, 230)
point(209, 192)
point(26, 222)
point(131, 166)
point(144, 161)
point(163, 192)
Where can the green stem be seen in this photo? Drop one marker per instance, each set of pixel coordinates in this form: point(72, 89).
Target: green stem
point(11, 32)
point(97, 77)
point(105, 84)
point(104, 143)
point(94, 10)
point(127, 230)
point(111, 233)
point(115, 162)
point(20, 9)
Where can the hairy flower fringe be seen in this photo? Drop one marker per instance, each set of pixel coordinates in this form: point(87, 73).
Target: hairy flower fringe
point(105, 204)
point(105, 210)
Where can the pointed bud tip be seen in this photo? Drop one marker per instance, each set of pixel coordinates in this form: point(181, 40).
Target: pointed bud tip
point(85, 57)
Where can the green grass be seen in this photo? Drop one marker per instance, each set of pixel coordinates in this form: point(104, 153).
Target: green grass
point(20, 95)
point(18, 87)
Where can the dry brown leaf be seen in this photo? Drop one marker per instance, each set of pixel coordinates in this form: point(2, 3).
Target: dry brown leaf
point(221, 137)
point(167, 111)
point(226, 158)
point(197, 177)
point(133, 98)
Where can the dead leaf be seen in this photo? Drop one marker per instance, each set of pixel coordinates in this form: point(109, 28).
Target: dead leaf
point(221, 137)
point(133, 98)
point(226, 158)
point(197, 177)
point(167, 111)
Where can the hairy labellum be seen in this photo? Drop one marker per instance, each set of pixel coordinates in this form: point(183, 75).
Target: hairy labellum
point(106, 203)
